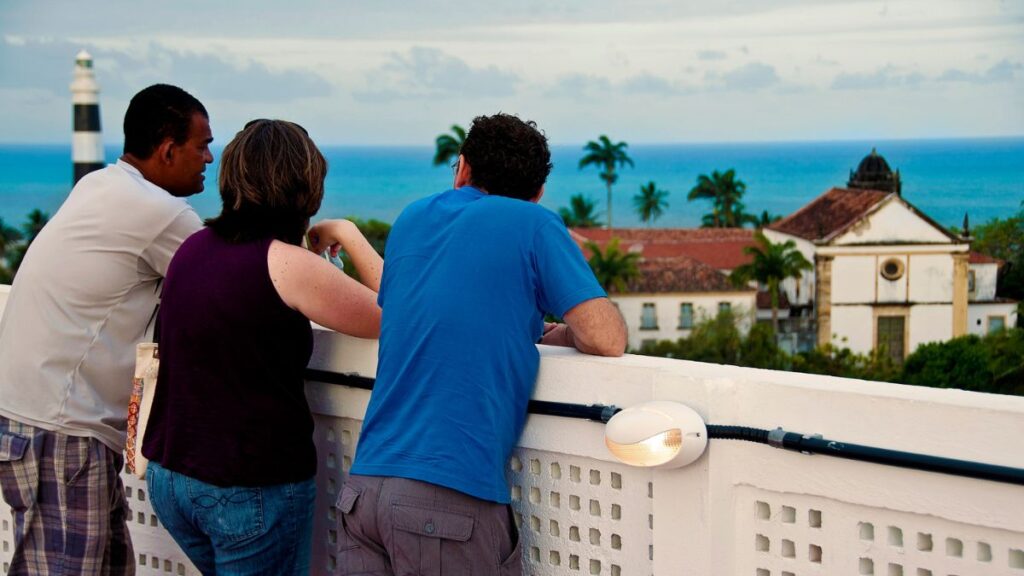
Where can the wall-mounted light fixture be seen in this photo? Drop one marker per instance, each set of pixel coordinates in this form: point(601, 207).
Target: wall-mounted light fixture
point(659, 434)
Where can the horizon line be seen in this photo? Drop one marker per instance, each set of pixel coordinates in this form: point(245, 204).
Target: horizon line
point(638, 143)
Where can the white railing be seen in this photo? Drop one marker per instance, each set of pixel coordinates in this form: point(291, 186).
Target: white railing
point(742, 509)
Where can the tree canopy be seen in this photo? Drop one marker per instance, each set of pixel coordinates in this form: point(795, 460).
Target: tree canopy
point(650, 203)
point(581, 213)
point(606, 155)
point(449, 145)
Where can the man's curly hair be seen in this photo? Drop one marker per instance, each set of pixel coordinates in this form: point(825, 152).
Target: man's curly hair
point(508, 157)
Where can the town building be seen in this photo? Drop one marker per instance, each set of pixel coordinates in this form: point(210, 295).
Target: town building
point(886, 276)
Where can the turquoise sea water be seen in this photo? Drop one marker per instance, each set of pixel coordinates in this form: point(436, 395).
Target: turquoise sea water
point(944, 178)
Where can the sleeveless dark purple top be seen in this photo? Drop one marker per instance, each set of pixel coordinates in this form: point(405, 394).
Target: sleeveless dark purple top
point(230, 407)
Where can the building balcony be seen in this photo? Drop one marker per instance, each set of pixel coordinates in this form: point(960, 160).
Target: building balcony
point(741, 509)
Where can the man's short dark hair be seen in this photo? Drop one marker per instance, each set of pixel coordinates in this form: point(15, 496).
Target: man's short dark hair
point(508, 157)
point(271, 183)
point(158, 112)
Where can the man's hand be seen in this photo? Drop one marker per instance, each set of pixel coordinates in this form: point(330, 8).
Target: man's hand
point(556, 335)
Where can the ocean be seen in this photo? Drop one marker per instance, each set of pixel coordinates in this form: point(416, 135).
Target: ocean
point(943, 178)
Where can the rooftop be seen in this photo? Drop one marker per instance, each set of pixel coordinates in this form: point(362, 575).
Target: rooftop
point(832, 212)
point(719, 248)
point(679, 274)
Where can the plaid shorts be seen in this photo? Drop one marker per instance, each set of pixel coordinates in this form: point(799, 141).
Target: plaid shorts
point(67, 502)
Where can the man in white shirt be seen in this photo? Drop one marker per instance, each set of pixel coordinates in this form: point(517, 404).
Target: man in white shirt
point(82, 298)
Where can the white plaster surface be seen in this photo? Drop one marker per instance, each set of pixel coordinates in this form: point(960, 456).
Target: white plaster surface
point(705, 305)
point(853, 280)
point(978, 316)
point(852, 327)
point(891, 290)
point(893, 223)
point(985, 276)
point(931, 278)
point(929, 323)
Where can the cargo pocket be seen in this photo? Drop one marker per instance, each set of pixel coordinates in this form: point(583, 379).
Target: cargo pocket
point(346, 504)
point(12, 452)
point(429, 541)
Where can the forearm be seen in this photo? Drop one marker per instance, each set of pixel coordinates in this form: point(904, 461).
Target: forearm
point(367, 262)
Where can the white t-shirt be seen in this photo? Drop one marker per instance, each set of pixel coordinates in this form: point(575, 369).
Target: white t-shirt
point(81, 301)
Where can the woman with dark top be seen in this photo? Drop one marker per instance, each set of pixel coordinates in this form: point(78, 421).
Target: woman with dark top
point(229, 439)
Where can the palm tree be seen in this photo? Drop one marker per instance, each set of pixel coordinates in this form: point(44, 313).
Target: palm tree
point(606, 155)
point(448, 146)
point(9, 236)
point(650, 203)
point(772, 263)
point(31, 228)
point(581, 213)
point(765, 219)
point(725, 193)
point(613, 267)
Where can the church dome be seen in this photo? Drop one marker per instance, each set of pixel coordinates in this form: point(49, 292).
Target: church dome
point(874, 173)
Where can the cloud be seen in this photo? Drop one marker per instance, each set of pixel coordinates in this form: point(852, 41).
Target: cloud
point(749, 77)
point(711, 55)
point(429, 72)
point(648, 84)
point(47, 65)
point(885, 77)
point(1003, 71)
point(581, 86)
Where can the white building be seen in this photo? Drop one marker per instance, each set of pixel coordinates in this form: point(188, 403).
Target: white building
point(886, 275)
point(683, 279)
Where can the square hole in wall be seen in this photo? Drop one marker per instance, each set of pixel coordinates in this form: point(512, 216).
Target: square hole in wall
point(954, 547)
point(616, 481)
point(788, 515)
point(535, 495)
point(762, 510)
point(574, 562)
point(555, 500)
point(595, 537)
point(984, 552)
point(535, 466)
point(1016, 559)
point(553, 528)
point(556, 470)
point(595, 477)
point(866, 566)
point(595, 566)
point(924, 572)
point(616, 570)
point(761, 543)
point(574, 502)
point(554, 558)
point(763, 572)
point(595, 507)
point(515, 464)
point(616, 542)
point(867, 531)
point(814, 518)
point(814, 553)
point(895, 536)
point(574, 533)
point(895, 570)
point(788, 549)
point(924, 542)
point(574, 473)
point(534, 554)
point(616, 512)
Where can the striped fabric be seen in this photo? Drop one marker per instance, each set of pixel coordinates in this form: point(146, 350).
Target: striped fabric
point(67, 501)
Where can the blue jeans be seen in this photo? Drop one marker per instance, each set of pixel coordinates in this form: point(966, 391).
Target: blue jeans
point(238, 530)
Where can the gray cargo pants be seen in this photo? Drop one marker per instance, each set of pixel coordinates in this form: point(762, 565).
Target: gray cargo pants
point(395, 526)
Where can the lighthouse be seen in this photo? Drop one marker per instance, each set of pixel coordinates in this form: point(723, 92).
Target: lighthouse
point(87, 143)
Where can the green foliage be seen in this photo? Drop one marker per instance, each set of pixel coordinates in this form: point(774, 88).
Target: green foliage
point(581, 213)
point(606, 155)
point(448, 146)
point(994, 363)
point(650, 203)
point(376, 233)
point(613, 267)
point(726, 194)
point(1004, 239)
point(771, 264)
point(718, 340)
point(833, 360)
point(14, 243)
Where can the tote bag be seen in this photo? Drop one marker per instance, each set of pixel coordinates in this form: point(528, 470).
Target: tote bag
point(147, 364)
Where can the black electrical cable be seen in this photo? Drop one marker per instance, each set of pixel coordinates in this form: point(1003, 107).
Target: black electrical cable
point(777, 438)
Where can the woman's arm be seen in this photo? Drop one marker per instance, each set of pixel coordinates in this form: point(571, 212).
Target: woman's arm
point(335, 235)
point(322, 292)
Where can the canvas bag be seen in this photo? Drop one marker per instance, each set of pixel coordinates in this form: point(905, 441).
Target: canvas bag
point(147, 364)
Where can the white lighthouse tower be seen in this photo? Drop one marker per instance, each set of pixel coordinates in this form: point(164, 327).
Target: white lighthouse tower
point(87, 143)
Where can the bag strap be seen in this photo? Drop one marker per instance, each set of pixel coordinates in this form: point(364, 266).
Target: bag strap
point(154, 318)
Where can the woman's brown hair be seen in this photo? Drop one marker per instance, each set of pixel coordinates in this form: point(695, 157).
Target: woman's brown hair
point(271, 183)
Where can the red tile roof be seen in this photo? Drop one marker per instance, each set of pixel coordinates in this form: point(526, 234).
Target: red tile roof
point(979, 258)
point(679, 274)
point(830, 213)
point(720, 248)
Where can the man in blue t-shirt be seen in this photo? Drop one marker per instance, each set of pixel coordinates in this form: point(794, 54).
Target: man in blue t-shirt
point(468, 276)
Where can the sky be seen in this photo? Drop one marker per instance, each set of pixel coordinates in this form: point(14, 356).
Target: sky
point(643, 71)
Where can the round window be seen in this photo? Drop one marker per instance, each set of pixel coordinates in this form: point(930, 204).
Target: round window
point(892, 269)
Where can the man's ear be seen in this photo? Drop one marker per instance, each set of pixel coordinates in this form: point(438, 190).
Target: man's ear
point(464, 176)
point(540, 194)
point(165, 151)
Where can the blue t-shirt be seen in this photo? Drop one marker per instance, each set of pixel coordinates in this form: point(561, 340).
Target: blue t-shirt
point(467, 280)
